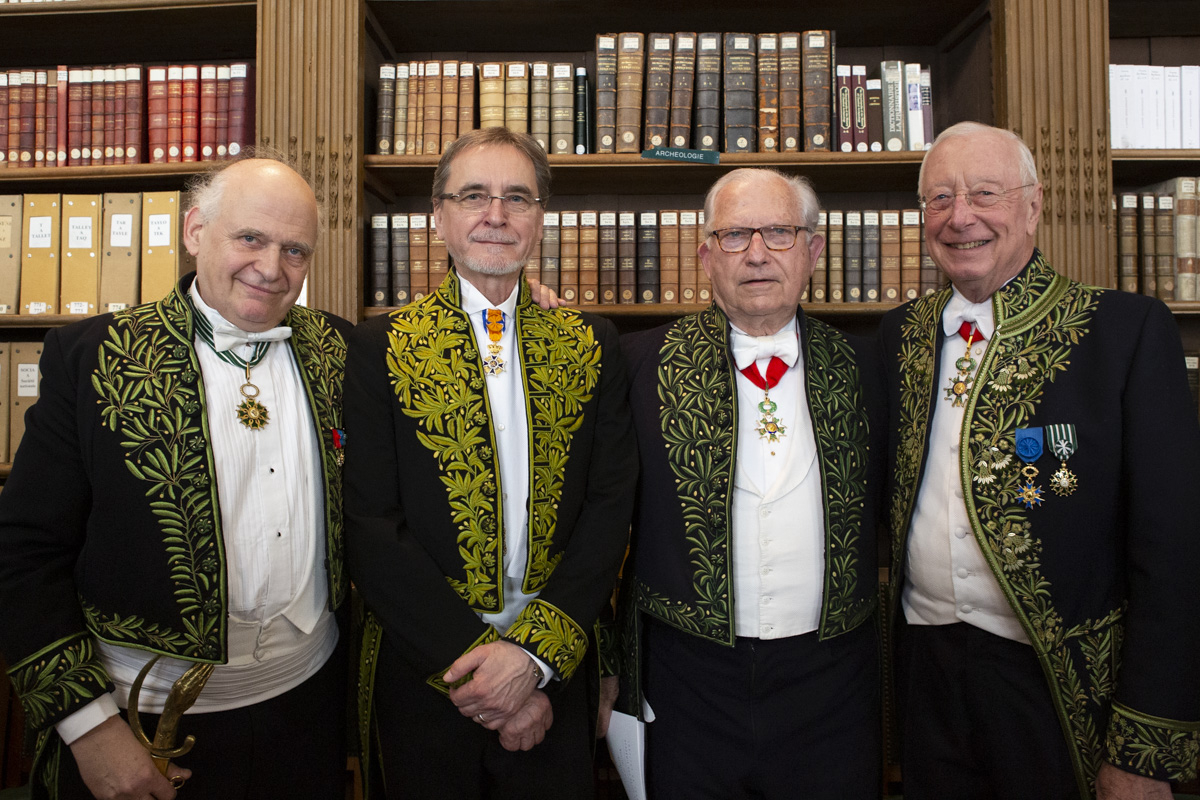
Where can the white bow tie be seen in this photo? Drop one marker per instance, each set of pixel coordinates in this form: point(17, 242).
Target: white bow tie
point(227, 337)
point(960, 310)
point(748, 349)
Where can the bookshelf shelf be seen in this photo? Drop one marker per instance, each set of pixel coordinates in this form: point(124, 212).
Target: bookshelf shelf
point(39, 321)
point(1156, 155)
point(142, 177)
point(867, 311)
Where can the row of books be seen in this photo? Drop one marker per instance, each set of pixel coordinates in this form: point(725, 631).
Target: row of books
point(88, 253)
point(746, 93)
point(1154, 107)
point(731, 92)
point(1158, 239)
point(20, 387)
point(125, 114)
point(625, 257)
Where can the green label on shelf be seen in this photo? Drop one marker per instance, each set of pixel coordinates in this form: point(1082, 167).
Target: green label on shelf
point(683, 154)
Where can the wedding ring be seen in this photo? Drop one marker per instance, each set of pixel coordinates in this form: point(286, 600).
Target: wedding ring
point(178, 781)
point(480, 718)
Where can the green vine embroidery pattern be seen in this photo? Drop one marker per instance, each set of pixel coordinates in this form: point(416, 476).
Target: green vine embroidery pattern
point(695, 388)
point(148, 383)
point(62, 677)
point(557, 639)
point(1164, 749)
point(841, 429)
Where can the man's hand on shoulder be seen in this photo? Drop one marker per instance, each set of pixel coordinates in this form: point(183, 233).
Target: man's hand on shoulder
point(544, 296)
point(525, 729)
point(1113, 783)
point(115, 766)
point(502, 679)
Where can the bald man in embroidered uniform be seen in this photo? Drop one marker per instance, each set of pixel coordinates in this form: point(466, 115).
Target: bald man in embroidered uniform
point(490, 473)
point(177, 494)
point(1045, 544)
point(748, 602)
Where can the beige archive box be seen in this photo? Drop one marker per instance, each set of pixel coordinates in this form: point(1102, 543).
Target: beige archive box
point(11, 213)
point(121, 251)
point(41, 241)
point(24, 388)
point(160, 244)
point(5, 405)
point(80, 290)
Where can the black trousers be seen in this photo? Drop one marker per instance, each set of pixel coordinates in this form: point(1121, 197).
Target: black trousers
point(780, 718)
point(292, 746)
point(978, 720)
point(424, 748)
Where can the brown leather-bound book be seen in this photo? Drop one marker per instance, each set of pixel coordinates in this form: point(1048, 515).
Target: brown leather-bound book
point(533, 262)
point(52, 115)
point(110, 118)
point(222, 111)
point(539, 104)
point(418, 255)
point(385, 131)
point(703, 284)
point(1164, 246)
point(491, 95)
point(1146, 246)
point(550, 257)
point(439, 257)
point(683, 79)
point(14, 117)
point(562, 109)
point(88, 81)
point(1127, 242)
point(658, 89)
point(688, 259)
point(241, 107)
point(631, 57)
point(608, 257)
point(431, 126)
point(932, 278)
point(568, 262)
point(647, 257)
point(789, 93)
point(835, 243)
point(419, 111)
point(668, 257)
point(60, 117)
point(845, 110)
point(852, 274)
point(768, 93)
point(120, 90)
point(399, 121)
point(818, 287)
point(874, 115)
point(174, 112)
point(41, 83)
point(449, 103)
point(26, 131)
point(467, 121)
point(816, 65)
point(890, 254)
point(135, 114)
point(413, 125)
point(208, 112)
point(910, 254)
point(858, 96)
point(4, 120)
point(739, 95)
point(606, 92)
point(627, 260)
point(589, 258)
point(516, 96)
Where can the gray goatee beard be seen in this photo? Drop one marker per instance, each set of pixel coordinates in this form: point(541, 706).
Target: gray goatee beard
point(491, 266)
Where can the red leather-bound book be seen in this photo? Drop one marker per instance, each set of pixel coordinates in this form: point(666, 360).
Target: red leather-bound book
point(208, 112)
point(110, 117)
point(41, 79)
point(174, 113)
point(4, 120)
point(120, 92)
point(135, 114)
point(241, 107)
point(61, 108)
point(25, 129)
point(190, 120)
point(222, 111)
point(156, 122)
point(96, 137)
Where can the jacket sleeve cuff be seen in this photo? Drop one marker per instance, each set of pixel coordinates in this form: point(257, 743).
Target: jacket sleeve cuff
point(59, 680)
point(1163, 749)
point(551, 635)
point(435, 680)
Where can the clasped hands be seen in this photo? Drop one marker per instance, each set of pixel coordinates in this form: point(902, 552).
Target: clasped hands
point(502, 694)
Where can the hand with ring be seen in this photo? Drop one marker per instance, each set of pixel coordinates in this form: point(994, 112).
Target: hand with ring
point(480, 718)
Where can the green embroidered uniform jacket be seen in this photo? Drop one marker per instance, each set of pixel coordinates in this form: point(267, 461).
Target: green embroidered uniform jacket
point(109, 524)
point(1103, 581)
point(684, 401)
point(424, 520)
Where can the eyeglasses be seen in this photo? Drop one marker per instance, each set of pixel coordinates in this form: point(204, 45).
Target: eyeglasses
point(474, 202)
point(980, 199)
point(774, 237)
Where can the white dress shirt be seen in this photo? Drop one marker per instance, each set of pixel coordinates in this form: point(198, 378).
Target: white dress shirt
point(947, 578)
point(510, 426)
point(272, 504)
point(778, 523)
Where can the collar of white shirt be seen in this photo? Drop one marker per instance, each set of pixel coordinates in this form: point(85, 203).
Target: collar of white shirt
point(473, 300)
point(960, 310)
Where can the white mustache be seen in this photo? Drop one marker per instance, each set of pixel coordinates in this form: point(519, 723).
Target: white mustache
point(494, 239)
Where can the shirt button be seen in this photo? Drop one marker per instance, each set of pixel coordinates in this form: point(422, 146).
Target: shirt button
point(962, 572)
point(960, 533)
point(958, 492)
point(766, 629)
point(499, 426)
point(966, 608)
point(766, 570)
point(766, 601)
point(954, 447)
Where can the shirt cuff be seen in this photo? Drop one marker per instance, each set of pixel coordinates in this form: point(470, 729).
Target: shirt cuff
point(73, 726)
point(548, 673)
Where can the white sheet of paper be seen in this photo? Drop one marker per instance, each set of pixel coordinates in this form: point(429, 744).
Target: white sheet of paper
point(627, 745)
